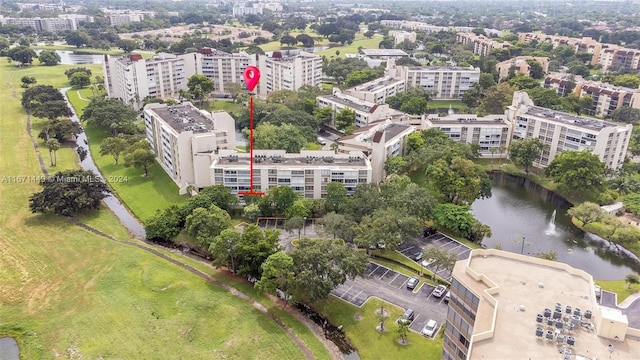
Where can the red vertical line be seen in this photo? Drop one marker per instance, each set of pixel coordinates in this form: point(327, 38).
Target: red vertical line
point(251, 143)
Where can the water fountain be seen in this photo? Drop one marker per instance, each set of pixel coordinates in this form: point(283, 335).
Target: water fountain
point(551, 228)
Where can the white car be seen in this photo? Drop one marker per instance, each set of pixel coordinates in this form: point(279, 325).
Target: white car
point(439, 291)
point(430, 329)
point(428, 262)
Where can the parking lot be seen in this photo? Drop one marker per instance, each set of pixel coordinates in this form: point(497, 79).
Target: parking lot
point(441, 241)
point(390, 286)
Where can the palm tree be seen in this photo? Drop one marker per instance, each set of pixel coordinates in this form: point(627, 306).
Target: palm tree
point(53, 146)
point(334, 146)
point(492, 150)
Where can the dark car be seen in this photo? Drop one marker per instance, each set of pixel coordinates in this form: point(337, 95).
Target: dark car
point(407, 316)
point(412, 283)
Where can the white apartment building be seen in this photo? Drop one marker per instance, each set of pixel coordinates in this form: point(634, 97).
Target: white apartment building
point(307, 173)
point(365, 111)
point(400, 36)
point(119, 19)
point(219, 66)
point(482, 45)
point(379, 141)
point(443, 82)
point(133, 78)
point(562, 131)
point(384, 54)
point(244, 10)
point(492, 132)
point(54, 25)
point(185, 140)
point(378, 90)
point(288, 70)
point(505, 306)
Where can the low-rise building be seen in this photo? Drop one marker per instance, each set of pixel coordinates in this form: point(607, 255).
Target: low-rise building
point(400, 36)
point(366, 112)
point(492, 133)
point(538, 309)
point(384, 54)
point(307, 173)
point(54, 25)
point(520, 65)
point(563, 131)
point(482, 45)
point(378, 90)
point(185, 141)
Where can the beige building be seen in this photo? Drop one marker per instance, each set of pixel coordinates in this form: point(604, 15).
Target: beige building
point(400, 36)
point(379, 141)
point(482, 45)
point(366, 112)
point(288, 70)
point(492, 132)
point(520, 66)
point(133, 78)
point(562, 131)
point(378, 90)
point(185, 141)
point(495, 313)
point(307, 173)
point(584, 44)
point(444, 82)
point(614, 57)
point(221, 67)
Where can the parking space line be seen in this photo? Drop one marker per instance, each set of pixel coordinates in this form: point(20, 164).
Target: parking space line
point(455, 247)
point(406, 250)
point(397, 274)
point(403, 283)
point(385, 273)
point(416, 318)
point(346, 292)
point(374, 270)
point(355, 297)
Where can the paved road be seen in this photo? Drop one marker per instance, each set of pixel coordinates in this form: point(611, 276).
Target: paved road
point(419, 244)
point(609, 299)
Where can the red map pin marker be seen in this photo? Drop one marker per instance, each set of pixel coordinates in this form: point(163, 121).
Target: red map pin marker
point(251, 77)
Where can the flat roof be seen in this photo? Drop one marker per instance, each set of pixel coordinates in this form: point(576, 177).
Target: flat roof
point(359, 105)
point(444, 68)
point(384, 52)
point(184, 117)
point(569, 119)
point(378, 84)
point(520, 282)
point(269, 159)
point(471, 119)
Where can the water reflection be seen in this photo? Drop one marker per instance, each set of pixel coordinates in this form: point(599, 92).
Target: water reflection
point(520, 209)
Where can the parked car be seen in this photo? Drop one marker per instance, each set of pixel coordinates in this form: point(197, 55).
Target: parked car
point(322, 141)
point(447, 296)
point(412, 283)
point(430, 329)
point(428, 262)
point(439, 291)
point(407, 316)
point(417, 256)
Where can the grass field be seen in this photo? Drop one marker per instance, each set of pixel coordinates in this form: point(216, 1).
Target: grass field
point(360, 41)
point(142, 195)
point(619, 287)
point(65, 292)
point(372, 344)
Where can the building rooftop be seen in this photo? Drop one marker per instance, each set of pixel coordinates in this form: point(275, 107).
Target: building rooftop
point(127, 60)
point(378, 84)
point(505, 327)
point(458, 119)
point(444, 68)
point(384, 52)
point(569, 119)
point(185, 117)
point(352, 102)
point(279, 158)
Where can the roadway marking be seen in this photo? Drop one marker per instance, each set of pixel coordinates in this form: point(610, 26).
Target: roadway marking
point(393, 278)
point(346, 292)
point(415, 319)
point(455, 247)
point(374, 270)
point(385, 273)
point(355, 297)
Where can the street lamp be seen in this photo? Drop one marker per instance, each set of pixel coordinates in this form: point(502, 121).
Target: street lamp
point(522, 248)
point(304, 227)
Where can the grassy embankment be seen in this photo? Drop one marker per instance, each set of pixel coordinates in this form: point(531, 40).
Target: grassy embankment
point(68, 293)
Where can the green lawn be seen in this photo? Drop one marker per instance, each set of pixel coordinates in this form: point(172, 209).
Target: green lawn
point(142, 195)
point(619, 287)
point(444, 104)
point(372, 344)
point(360, 41)
point(65, 292)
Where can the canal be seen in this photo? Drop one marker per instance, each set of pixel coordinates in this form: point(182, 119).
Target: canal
point(520, 209)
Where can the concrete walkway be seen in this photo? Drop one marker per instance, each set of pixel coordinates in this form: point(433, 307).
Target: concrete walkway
point(628, 301)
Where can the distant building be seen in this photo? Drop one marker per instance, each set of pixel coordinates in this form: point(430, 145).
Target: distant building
point(400, 36)
point(384, 54)
point(584, 44)
point(307, 173)
point(444, 82)
point(219, 66)
point(378, 90)
point(185, 140)
point(492, 133)
point(505, 305)
point(365, 112)
point(520, 65)
point(562, 131)
point(54, 25)
point(120, 19)
point(379, 140)
point(482, 45)
point(288, 70)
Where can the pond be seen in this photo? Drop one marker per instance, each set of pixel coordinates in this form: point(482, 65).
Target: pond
point(521, 209)
point(75, 58)
point(9, 349)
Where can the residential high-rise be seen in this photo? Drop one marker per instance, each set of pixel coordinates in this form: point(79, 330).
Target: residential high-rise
point(509, 306)
point(378, 90)
point(365, 112)
point(288, 70)
point(221, 67)
point(185, 140)
point(443, 82)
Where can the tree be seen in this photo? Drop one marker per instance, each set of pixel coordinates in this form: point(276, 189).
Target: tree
point(277, 274)
point(403, 330)
point(218, 195)
point(454, 217)
point(164, 224)
point(386, 228)
point(254, 247)
point(27, 81)
point(80, 80)
point(577, 104)
point(547, 98)
point(78, 38)
point(577, 171)
point(295, 223)
point(52, 110)
point(22, 54)
point(460, 181)
point(53, 145)
point(60, 129)
point(415, 106)
point(139, 158)
point(128, 45)
point(631, 279)
point(69, 192)
point(113, 146)
point(288, 40)
point(300, 208)
point(290, 138)
point(396, 165)
point(523, 82)
point(49, 58)
point(344, 118)
point(72, 71)
point(480, 231)
point(38, 95)
point(223, 249)
point(306, 40)
point(336, 197)
point(320, 265)
point(551, 255)
point(323, 115)
point(496, 99)
point(365, 200)
point(587, 212)
point(627, 115)
point(442, 259)
point(524, 151)
point(251, 212)
point(336, 226)
point(111, 115)
point(535, 69)
point(205, 224)
point(200, 87)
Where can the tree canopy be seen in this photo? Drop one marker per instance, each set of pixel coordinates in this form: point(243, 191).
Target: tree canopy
point(577, 171)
